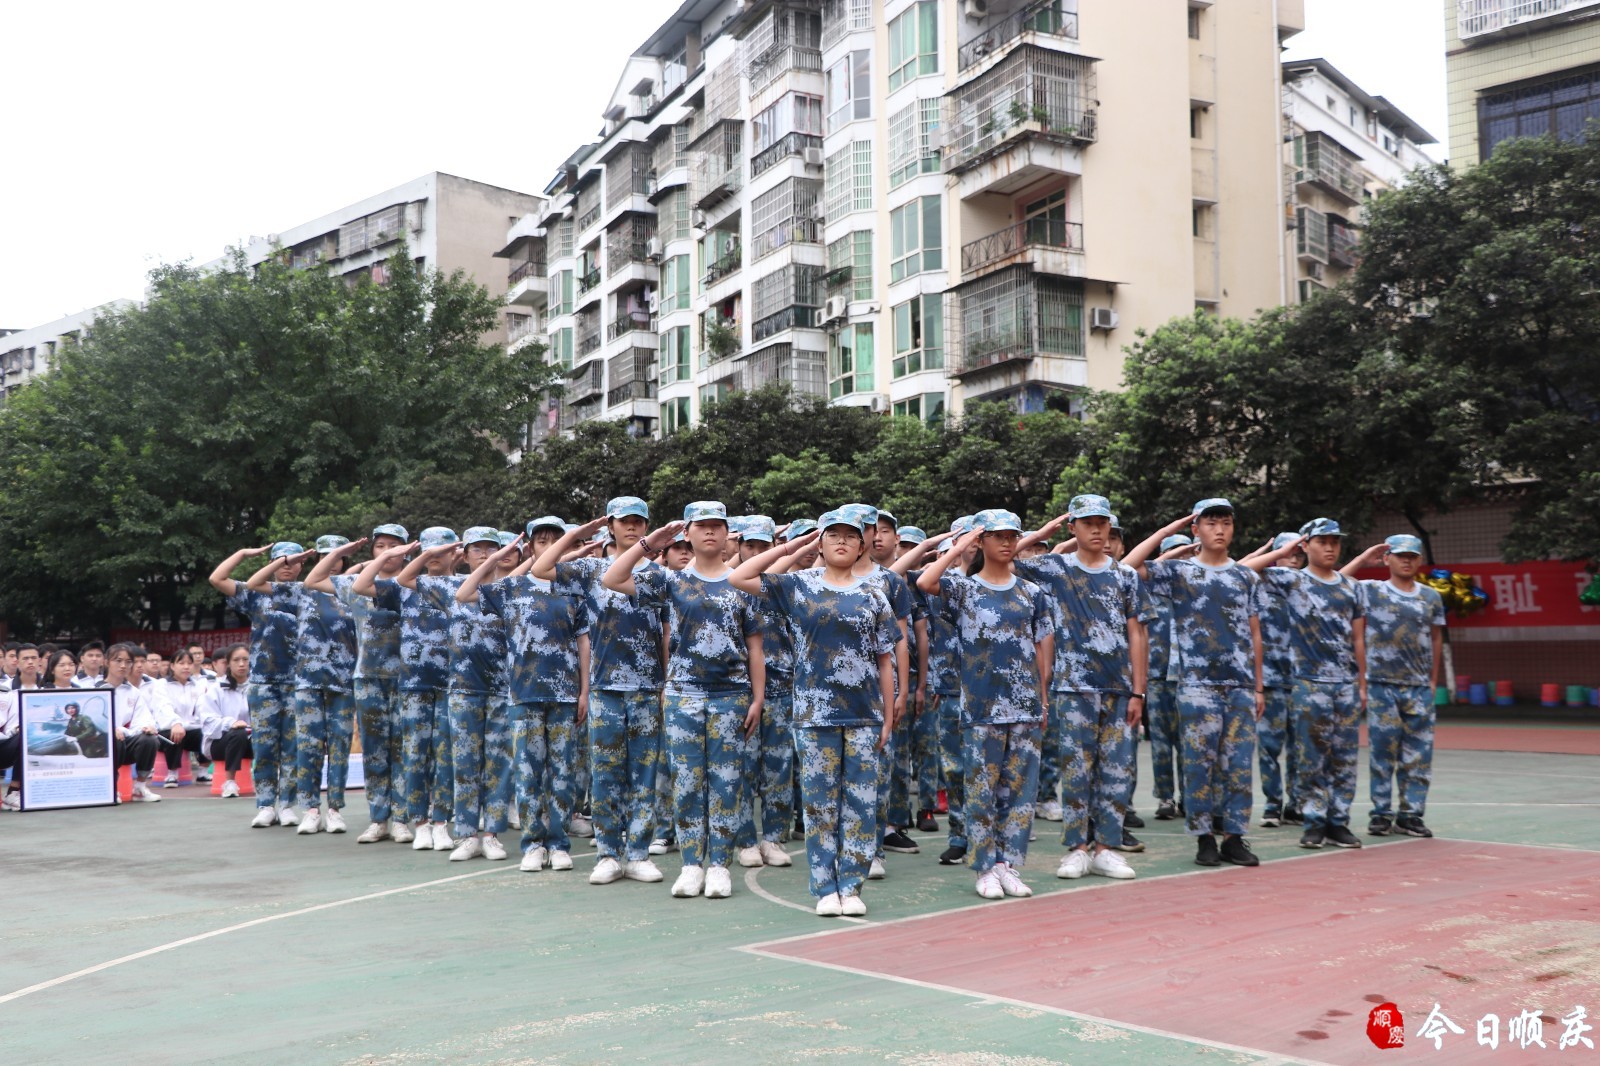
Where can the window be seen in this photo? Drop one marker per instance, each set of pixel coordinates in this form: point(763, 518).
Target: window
point(792, 123)
point(916, 241)
point(564, 237)
point(850, 263)
point(675, 355)
point(561, 293)
point(1355, 118)
point(1194, 24)
point(561, 347)
point(1561, 106)
point(785, 214)
point(929, 407)
point(674, 216)
point(861, 181)
point(850, 360)
point(1195, 127)
point(1201, 219)
point(847, 180)
point(785, 299)
point(675, 284)
point(911, 150)
point(849, 89)
point(919, 335)
point(674, 415)
point(717, 390)
point(914, 44)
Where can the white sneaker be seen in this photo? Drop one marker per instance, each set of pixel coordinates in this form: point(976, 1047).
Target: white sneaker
point(989, 886)
point(853, 906)
point(373, 833)
point(579, 826)
point(170, 782)
point(1010, 882)
point(690, 882)
point(265, 816)
point(751, 856)
point(594, 842)
point(493, 850)
point(470, 848)
point(230, 788)
point(333, 821)
point(719, 885)
point(401, 833)
point(1110, 864)
point(533, 860)
point(605, 871)
point(829, 907)
point(145, 793)
point(11, 802)
point(202, 777)
point(1050, 811)
point(642, 870)
point(288, 816)
point(442, 840)
point(310, 823)
point(423, 841)
point(659, 846)
point(560, 860)
point(876, 872)
point(1075, 865)
point(773, 855)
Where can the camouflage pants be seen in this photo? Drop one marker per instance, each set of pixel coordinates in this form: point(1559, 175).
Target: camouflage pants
point(662, 817)
point(839, 788)
point(705, 736)
point(1096, 768)
point(1273, 739)
point(1400, 732)
point(916, 763)
point(1166, 739)
point(952, 765)
point(1002, 778)
point(546, 772)
point(324, 724)
point(480, 755)
point(272, 738)
point(769, 774)
point(886, 759)
point(1219, 741)
point(378, 715)
point(1331, 727)
point(424, 793)
point(1052, 752)
point(625, 748)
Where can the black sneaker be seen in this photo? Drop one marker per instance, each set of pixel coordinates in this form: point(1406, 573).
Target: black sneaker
point(1237, 851)
point(1292, 816)
point(926, 822)
point(1412, 826)
point(1207, 854)
point(1216, 823)
point(1379, 826)
point(1271, 819)
point(952, 856)
point(1313, 838)
point(799, 824)
point(1341, 837)
point(1130, 842)
point(1132, 821)
point(1166, 811)
point(955, 824)
point(896, 840)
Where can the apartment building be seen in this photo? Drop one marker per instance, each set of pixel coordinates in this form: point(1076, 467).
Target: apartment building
point(906, 204)
point(27, 353)
point(1342, 146)
point(1519, 68)
point(447, 222)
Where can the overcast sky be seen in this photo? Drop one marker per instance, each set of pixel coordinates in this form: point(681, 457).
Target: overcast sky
point(137, 134)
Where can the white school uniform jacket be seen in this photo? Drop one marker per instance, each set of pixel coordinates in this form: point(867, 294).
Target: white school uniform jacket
point(220, 703)
point(175, 704)
point(132, 714)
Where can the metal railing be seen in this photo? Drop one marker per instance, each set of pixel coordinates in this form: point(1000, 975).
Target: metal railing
point(588, 280)
point(1029, 233)
point(628, 323)
point(589, 218)
point(589, 342)
point(1342, 245)
point(1048, 18)
point(1032, 91)
point(638, 389)
point(776, 62)
point(787, 145)
point(726, 264)
point(794, 317)
point(530, 269)
point(1477, 17)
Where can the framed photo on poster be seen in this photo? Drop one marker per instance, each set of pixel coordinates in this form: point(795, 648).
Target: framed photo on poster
point(67, 741)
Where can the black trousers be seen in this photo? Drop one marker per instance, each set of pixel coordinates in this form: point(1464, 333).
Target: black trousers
point(139, 751)
point(11, 757)
point(173, 751)
point(232, 748)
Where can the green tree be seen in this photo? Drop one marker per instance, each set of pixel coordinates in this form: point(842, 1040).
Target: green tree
point(574, 476)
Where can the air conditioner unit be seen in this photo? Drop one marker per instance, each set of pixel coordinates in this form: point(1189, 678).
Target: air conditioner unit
point(1102, 318)
point(935, 139)
point(699, 220)
point(975, 9)
point(835, 308)
point(1315, 269)
point(653, 248)
point(879, 404)
point(819, 211)
point(652, 301)
point(812, 157)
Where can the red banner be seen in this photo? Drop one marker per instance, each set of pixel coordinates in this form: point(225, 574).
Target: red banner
point(167, 641)
point(1522, 594)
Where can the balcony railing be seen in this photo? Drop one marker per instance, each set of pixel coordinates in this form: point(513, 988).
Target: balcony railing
point(587, 382)
point(784, 232)
point(1477, 17)
point(1030, 233)
point(1032, 92)
point(778, 61)
point(523, 328)
point(1319, 161)
point(1047, 18)
point(787, 145)
point(589, 218)
point(1342, 242)
point(588, 280)
point(530, 269)
point(796, 317)
point(588, 342)
point(631, 390)
point(724, 265)
point(628, 323)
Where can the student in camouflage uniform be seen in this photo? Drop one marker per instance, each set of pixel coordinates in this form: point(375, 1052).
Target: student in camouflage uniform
point(1328, 633)
point(769, 766)
point(1219, 697)
point(1097, 685)
point(1161, 713)
point(715, 687)
point(1277, 728)
point(273, 624)
point(1405, 656)
point(844, 632)
point(921, 760)
point(1007, 636)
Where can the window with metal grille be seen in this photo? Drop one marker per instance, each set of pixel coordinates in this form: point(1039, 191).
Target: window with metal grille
point(566, 229)
point(911, 147)
point(672, 214)
point(919, 335)
point(1311, 234)
point(785, 214)
point(914, 44)
point(1032, 88)
point(916, 238)
point(836, 179)
point(1563, 106)
point(786, 299)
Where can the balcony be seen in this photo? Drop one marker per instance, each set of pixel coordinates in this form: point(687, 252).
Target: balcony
point(768, 67)
point(725, 264)
point(522, 328)
point(1311, 235)
point(632, 377)
point(588, 280)
point(794, 317)
point(1343, 240)
point(804, 372)
point(1320, 161)
point(629, 323)
point(1045, 18)
point(1475, 18)
point(786, 146)
point(1012, 316)
point(1037, 240)
point(526, 285)
point(1032, 94)
point(588, 338)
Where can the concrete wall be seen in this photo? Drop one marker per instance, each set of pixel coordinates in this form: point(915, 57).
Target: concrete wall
point(471, 219)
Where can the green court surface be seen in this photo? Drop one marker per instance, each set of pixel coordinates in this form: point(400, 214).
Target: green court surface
point(171, 932)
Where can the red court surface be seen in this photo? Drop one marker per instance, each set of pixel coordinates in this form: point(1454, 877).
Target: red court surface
point(1227, 956)
point(1558, 740)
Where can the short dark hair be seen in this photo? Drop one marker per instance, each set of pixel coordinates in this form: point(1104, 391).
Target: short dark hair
point(12, 645)
point(93, 645)
point(26, 647)
point(133, 650)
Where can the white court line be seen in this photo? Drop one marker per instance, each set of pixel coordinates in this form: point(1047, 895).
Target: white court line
point(1464, 803)
point(173, 945)
point(754, 886)
point(1268, 1058)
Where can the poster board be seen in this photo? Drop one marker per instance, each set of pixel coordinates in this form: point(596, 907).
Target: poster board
point(67, 741)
